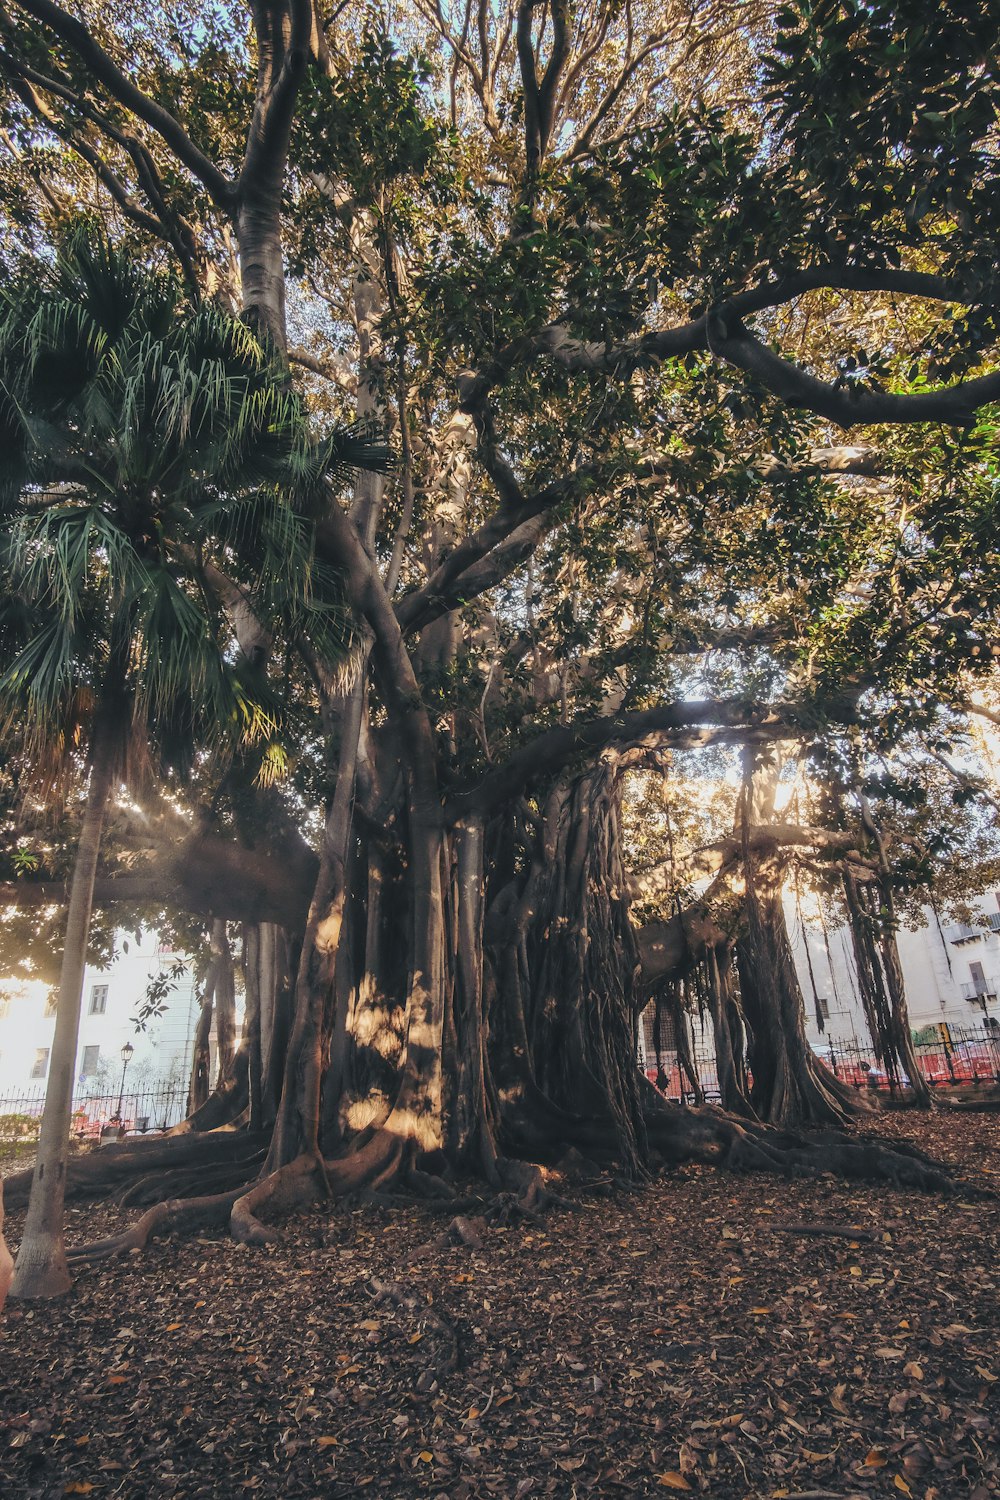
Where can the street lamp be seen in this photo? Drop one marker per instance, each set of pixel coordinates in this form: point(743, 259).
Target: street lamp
point(127, 1051)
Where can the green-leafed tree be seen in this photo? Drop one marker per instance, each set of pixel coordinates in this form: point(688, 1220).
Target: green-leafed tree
point(144, 441)
point(619, 290)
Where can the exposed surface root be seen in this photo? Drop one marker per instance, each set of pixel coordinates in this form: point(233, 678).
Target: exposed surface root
point(292, 1187)
point(708, 1135)
point(382, 1168)
point(396, 1295)
point(186, 1181)
point(103, 1170)
point(176, 1213)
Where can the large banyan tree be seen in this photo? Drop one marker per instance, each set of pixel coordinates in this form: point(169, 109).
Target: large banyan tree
point(615, 284)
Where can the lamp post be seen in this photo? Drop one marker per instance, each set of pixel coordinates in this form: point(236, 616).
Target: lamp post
point(127, 1051)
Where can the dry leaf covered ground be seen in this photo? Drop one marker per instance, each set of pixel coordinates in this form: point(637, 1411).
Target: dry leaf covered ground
point(678, 1339)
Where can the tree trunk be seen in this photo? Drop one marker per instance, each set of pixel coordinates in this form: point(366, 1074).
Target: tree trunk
point(791, 1086)
point(201, 1063)
point(42, 1269)
point(572, 995)
point(262, 269)
point(6, 1259)
point(880, 979)
point(470, 1108)
point(225, 1002)
point(728, 1033)
point(902, 1036)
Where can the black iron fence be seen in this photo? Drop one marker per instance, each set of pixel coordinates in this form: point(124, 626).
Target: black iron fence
point(948, 1056)
point(674, 1081)
point(136, 1111)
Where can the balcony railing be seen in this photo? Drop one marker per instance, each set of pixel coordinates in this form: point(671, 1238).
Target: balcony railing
point(960, 932)
point(978, 993)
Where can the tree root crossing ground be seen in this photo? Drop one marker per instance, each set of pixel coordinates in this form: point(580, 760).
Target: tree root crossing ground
point(737, 1337)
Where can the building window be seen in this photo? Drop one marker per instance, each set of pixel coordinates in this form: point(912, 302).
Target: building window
point(98, 999)
point(41, 1063)
point(823, 1007)
point(50, 1004)
point(91, 1057)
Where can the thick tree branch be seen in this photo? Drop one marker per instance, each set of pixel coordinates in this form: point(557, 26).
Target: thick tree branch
point(28, 83)
point(689, 724)
point(120, 86)
point(849, 406)
point(491, 553)
point(711, 858)
point(206, 874)
point(726, 318)
point(982, 711)
point(274, 108)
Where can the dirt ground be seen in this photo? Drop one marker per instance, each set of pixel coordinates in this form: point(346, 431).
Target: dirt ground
point(686, 1338)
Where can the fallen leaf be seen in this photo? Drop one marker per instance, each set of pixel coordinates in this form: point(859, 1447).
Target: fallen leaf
point(672, 1480)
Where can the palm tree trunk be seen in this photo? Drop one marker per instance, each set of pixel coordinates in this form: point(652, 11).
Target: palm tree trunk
point(6, 1260)
point(41, 1269)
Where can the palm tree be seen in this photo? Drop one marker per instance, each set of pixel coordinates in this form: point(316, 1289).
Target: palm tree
point(145, 444)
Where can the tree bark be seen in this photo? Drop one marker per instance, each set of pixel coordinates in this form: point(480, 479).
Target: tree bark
point(570, 1071)
point(262, 269)
point(791, 1086)
point(201, 1067)
point(6, 1259)
point(225, 1002)
point(871, 916)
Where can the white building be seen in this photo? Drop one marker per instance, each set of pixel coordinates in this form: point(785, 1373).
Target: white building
point(952, 974)
point(160, 1060)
